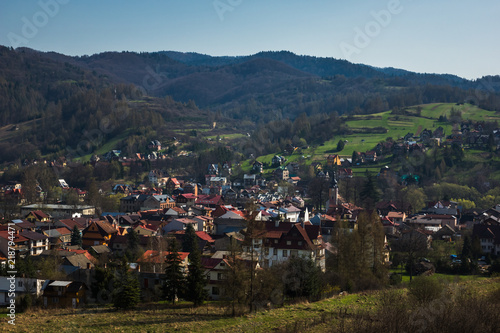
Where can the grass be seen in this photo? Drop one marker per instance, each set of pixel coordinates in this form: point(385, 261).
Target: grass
point(108, 146)
point(397, 126)
point(158, 317)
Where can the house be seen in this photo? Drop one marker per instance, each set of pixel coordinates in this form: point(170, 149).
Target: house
point(205, 223)
point(158, 177)
point(446, 233)
point(179, 224)
point(213, 169)
point(21, 286)
point(21, 244)
point(60, 211)
point(154, 145)
point(217, 181)
point(58, 294)
point(281, 173)
point(133, 203)
point(172, 185)
point(176, 212)
point(280, 241)
point(257, 167)
point(290, 213)
point(345, 173)
point(74, 262)
point(249, 180)
point(333, 160)
point(489, 237)
point(370, 156)
point(278, 160)
point(97, 233)
point(209, 200)
point(190, 188)
point(37, 216)
point(231, 220)
point(432, 221)
point(396, 217)
point(155, 202)
point(37, 242)
point(215, 271)
point(155, 261)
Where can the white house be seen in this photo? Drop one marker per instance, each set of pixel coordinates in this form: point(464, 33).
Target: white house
point(21, 286)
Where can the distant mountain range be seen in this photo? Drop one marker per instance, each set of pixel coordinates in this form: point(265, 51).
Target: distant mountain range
point(228, 83)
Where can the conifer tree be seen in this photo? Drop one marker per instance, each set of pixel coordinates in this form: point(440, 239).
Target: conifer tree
point(174, 276)
point(196, 281)
point(189, 239)
point(76, 237)
point(127, 289)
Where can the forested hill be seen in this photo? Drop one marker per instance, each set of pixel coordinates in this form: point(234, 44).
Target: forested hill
point(270, 85)
point(58, 98)
point(52, 108)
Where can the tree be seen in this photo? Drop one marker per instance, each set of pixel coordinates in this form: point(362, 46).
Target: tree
point(189, 240)
point(318, 191)
point(127, 289)
point(76, 237)
point(102, 284)
point(415, 197)
point(302, 278)
point(235, 287)
point(369, 195)
point(412, 245)
point(340, 145)
point(133, 240)
point(195, 280)
point(174, 276)
point(466, 248)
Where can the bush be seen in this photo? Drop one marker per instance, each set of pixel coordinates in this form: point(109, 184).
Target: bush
point(395, 279)
point(425, 289)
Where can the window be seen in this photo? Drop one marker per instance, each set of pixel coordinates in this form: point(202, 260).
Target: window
point(288, 242)
point(20, 284)
point(215, 291)
point(266, 251)
point(221, 276)
point(275, 252)
point(300, 242)
point(222, 264)
point(285, 253)
point(275, 241)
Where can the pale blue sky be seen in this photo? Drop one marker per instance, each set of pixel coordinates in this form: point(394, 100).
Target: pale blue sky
point(457, 37)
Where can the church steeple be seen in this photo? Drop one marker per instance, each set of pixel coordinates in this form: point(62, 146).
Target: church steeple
point(333, 192)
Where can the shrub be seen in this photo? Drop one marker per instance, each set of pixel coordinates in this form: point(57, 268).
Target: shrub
point(395, 279)
point(425, 289)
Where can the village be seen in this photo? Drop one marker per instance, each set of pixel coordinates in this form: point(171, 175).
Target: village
point(270, 221)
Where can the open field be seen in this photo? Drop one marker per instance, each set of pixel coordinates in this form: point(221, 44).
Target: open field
point(397, 126)
point(303, 317)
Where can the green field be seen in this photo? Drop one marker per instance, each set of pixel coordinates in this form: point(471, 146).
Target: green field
point(397, 126)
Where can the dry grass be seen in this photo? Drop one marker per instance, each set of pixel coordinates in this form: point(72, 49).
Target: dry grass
point(362, 312)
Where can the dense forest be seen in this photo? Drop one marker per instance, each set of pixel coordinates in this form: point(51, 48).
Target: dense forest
point(53, 105)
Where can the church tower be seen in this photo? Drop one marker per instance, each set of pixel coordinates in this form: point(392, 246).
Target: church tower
point(333, 192)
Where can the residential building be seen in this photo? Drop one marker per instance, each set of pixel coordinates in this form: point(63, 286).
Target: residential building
point(58, 294)
point(98, 233)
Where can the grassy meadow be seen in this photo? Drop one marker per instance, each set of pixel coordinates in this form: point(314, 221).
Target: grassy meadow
point(328, 315)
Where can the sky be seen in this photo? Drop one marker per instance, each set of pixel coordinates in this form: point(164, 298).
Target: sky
point(456, 37)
